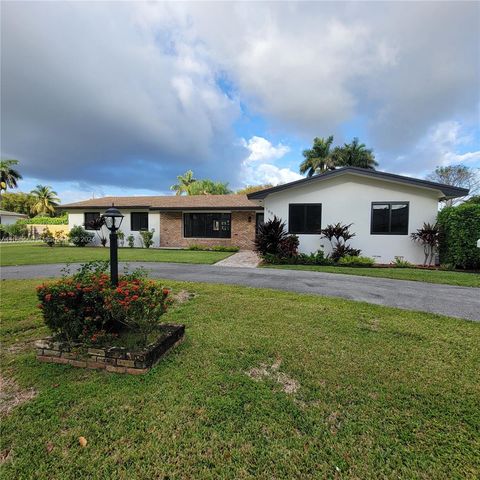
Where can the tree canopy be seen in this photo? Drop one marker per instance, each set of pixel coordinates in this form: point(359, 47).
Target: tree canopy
point(9, 176)
point(189, 185)
point(45, 200)
point(457, 176)
point(254, 188)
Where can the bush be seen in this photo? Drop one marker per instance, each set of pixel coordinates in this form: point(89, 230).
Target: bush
point(400, 262)
point(270, 236)
point(317, 258)
point(215, 248)
point(85, 307)
point(289, 247)
point(14, 231)
point(147, 237)
point(338, 235)
point(131, 241)
point(355, 261)
point(47, 237)
point(459, 231)
point(79, 236)
point(63, 220)
point(121, 238)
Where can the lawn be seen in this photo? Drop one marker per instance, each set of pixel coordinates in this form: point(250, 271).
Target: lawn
point(339, 390)
point(29, 254)
point(462, 279)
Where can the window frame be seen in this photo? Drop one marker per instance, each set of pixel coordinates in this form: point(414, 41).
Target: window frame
point(131, 222)
point(389, 203)
point(85, 223)
point(218, 220)
point(290, 205)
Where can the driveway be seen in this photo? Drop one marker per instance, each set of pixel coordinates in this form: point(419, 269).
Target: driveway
point(461, 302)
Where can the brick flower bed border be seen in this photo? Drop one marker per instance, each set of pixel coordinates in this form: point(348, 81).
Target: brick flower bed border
point(111, 359)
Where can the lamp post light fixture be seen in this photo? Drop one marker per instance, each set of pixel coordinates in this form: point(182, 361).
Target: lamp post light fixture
point(113, 219)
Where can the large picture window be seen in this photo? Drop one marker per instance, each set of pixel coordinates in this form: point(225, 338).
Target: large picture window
point(89, 220)
point(139, 221)
point(207, 225)
point(389, 218)
point(305, 218)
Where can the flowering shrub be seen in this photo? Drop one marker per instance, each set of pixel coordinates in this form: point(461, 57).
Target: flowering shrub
point(85, 307)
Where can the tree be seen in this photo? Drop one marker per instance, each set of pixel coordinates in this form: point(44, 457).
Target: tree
point(184, 184)
point(317, 158)
point(354, 154)
point(457, 176)
point(18, 202)
point(254, 188)
point(209, 187)
point(8, 175)
point(45, 200)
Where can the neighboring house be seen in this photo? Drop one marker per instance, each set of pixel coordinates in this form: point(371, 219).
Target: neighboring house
point(383, 208)
point(8, 218)
point(178, 221)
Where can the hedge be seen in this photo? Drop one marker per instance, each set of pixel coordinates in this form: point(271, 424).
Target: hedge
point(459, 232)
point(44, 221)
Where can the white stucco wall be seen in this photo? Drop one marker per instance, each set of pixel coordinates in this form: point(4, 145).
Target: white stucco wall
point(76, 217)
point(348, 199)
point(10, 219)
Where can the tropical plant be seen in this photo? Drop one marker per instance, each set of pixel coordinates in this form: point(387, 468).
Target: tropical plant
point(428, 237)
point(97, 225)
point(289, 246)
point(354, 154)
point(8, 175)
point(317, 158)
point(147, 237)
point(338, 235)
point(270, 236)
point(131, 241)
point(184, 184)
point(45, 200)
point(209, 187)
point(79, 236)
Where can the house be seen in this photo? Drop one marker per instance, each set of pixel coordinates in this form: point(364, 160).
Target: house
point(8, 218)
point(383, 209)
point(178, 221)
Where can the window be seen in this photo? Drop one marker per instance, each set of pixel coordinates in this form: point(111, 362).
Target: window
point(389, 218)
point(139, 221)
point(89, 218)
point(207, 225)
point(305, 218)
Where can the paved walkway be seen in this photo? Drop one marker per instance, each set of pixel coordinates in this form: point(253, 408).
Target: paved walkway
point(462, 302)
point(245, 258)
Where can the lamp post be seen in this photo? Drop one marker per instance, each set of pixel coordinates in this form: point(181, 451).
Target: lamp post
point(113, 219)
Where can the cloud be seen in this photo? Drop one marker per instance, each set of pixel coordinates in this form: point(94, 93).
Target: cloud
point(258, 168)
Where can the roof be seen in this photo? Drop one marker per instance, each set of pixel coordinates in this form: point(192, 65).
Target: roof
point(448, 191)
point(12, 214)
point(170, 202)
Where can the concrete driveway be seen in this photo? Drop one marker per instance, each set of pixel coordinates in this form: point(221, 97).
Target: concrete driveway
point(461, 302)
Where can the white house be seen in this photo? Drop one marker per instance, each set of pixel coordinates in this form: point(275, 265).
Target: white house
point(383, 208)
point(9, 218)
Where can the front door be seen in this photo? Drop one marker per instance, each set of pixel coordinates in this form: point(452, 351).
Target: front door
point(258, 221)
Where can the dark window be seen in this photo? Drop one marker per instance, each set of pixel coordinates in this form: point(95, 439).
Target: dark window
point(139, 221)
point(89, 219)
point(259, 220)
point(305, 218)
point(207, 225)
point(389, 218)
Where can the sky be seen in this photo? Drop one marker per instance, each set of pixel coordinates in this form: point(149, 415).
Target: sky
point(118, 98)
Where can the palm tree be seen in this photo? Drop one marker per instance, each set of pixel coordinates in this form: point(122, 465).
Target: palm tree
point(317, 158)
point(8, 175)
point(184, 183)
point(354, 154)
point(45, 200)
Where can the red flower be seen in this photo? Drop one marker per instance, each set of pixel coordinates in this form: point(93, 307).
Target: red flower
point(135, 297)
point(166, 291)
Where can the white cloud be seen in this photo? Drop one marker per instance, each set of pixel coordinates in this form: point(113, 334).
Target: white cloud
point(258, 168)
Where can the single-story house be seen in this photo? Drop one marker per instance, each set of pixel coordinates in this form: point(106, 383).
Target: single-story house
point(383, 208)
point(178, 221)
point(9, 218)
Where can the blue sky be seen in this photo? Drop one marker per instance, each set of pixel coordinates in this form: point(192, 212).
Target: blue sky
point(119, 98)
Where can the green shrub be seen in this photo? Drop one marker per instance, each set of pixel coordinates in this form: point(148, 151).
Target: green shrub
point(400, 262)
point(215, 248)
point(459, 233)
point(63, 220)
point(14, 231)
point(131, 241)
point(79, 236)
point(47, 237)
point(317, 258)
point(354, 261)
point(147, 237)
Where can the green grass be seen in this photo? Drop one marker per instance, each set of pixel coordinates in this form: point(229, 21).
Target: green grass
point(30, 254)
point(384, 393)
point(463, 279)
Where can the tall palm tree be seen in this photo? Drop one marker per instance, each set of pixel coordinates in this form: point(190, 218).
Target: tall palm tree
point(45, 200)
point(185, 181)
point(8, 175)
point(354, 154)
point(317, 158)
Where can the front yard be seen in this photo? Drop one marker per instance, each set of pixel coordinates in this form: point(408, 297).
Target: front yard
point(36, 253)
point(267, 385)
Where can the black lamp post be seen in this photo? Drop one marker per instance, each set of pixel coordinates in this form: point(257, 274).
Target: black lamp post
point(113, 219)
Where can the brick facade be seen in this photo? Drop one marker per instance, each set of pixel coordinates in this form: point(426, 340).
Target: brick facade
point(243, 231)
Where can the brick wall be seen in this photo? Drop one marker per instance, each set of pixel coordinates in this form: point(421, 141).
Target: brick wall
point(243, 231)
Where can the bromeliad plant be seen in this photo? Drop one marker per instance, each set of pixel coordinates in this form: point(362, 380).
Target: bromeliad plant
point(85, 307)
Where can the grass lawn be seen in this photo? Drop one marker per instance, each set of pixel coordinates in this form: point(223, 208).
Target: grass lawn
point(463, 279)
point(29, 254)
point(373, 392)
